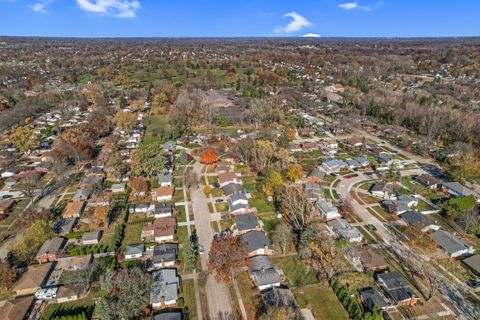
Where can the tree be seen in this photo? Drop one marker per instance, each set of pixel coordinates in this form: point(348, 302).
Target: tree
point(295, 207)
point(131, 289)
point(326, 255)
point(115, 164)
point(190, 179)
point(23, 251)
point(282, 237)
point(189, 255)
point(125, 120)
point(278, 313)
point(189, 111)
point(294, 172)
point(101, 214)
point(7, 275)
point(149, 160)
point(270, 181)
point(30, 185)
point(465, 166)
point(80, 279)
point(139, 185)
point(24, 138)
point(209, 156)
point(225, 255)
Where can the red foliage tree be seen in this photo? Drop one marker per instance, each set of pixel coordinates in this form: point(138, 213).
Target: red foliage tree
point(225, 255)
point(209, 156)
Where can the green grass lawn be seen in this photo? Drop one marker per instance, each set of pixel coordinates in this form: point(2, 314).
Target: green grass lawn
point(270, 222)
point(188, 295)
point(181, 213)
point(261, 204)
point(367, 238)
point(178, 196)
point(248, 293)
point(133, 234)
point(423, 206)
point(216, 193)
point(322, 301)
point(210, 207)
point(296, 271)
point(214, 226)
point(182, 233)
point(212, 179)
point(221, 207)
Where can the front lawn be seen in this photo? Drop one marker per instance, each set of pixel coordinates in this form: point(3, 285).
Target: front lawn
point(178, 197)
point(212, 179)
point(297, 272)
point(261, 204)
point(221, 207)
point(322, 301)
point(188, 295)
point(180, 213)
point(217, 193)
point(182, 233)
point(248, 292)
point(133, 234)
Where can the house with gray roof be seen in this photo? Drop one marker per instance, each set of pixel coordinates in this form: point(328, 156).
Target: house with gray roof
point(165, 288)
point(165, 179)
point(247, 222)
point(419, 221)
point(50, 250)
point(428, 181)
point(396, 287)
point(238, 208)
point(118, 187)
point(316, 175)
point(457, 190)
point(82, 194)
point(232, 189)
point(171, 315)
point(327, 210)
point(163, 256)
point(91, 180)
point(140, 207)
point(333, 166)
point(382, 190)
point(452, 245)
point(371, 298)
point(263, 273)
point(257, 243)
point(473, 263)
point(353, 164)
point(363, 161)
point(163, 209)
point(384, 158)
point(281, 297)
point(344, 230)
point(313, 191)
point(92, 237)
point(134, 251)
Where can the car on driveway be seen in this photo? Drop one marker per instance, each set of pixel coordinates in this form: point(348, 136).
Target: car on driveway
point(219, 200)
point(372, 227)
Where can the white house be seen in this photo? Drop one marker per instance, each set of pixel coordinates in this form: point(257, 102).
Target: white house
point(327, 210)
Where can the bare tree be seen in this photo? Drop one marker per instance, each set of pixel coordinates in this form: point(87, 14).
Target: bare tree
point(282, 237)
point(191, 179)
point(326, 255)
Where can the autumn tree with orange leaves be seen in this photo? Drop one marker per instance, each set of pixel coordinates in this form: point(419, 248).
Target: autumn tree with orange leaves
point(139, 185)
point(209, 156)
point(225, 255)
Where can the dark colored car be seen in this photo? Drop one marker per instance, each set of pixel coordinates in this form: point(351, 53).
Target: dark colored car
point(372, 227)
point(219, 200)
point(474, 283)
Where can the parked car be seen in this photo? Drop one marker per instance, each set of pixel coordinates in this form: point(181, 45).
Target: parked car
point(219, 200)
point(201, 249)
point(372, 227)
point(474, 283)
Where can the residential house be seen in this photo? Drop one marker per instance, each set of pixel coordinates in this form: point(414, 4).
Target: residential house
point(364, 162)
point(313, 191)
point(163, 209)
point(226, 178)
point(457, 190)
point(90, 181)
point(353, 164)
point(170, 315)
point(257, 243)
point(372, 299)
point(279, 298)
point(92, 237)
point(165, 288)
point(327, 210)
point(81, 194)
point(354, 142)
point(65, 226)
point(396, 287)
point(366, 258)
point(382, 190)
point(294, 147)
point(17, 309)
point(384, 158)
point(310, 146)
point(33, 279)
point(232, 188)
point(216, 100)
point(419, 221)
point(162, 194)
point(50, 250)
point(10, 172)
point(66, 294)
point(140, 208)
point(5, 208)
point(160, 230)
point(73, 209)
point(452, 245)
point(246, 223)
point(99, 202)
point(222, 167)
point(134, 251)
point(333, 166)
point(402, 204)
point(428, 181)
point(163, 256)
point(263, 273)
point(118, 188)
point(316, 176)
point(165, 179)
point(344, 230)
point(473, 263)
point(307, 132)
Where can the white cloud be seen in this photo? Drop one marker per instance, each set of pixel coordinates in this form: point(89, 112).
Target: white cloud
point(41, 6)
point(116, 8)
point(348, 5)
point(311, 35)
point(298, 22)
point(356, 6)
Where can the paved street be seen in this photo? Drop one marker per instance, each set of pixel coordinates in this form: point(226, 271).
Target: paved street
point(217, 294)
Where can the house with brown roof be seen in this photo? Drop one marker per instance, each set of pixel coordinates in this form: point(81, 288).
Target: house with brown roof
point(35, 277)
point(366, 258)
point(160, 230)
point(73, 209)
point(17, 309)
point(162, 193)
point(225, 178)
point(5, 208)
point(216, 100)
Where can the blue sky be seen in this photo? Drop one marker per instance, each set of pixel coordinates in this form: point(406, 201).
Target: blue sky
point(225, 18)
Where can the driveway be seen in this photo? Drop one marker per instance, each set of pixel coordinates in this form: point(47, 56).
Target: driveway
point(218, 296)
